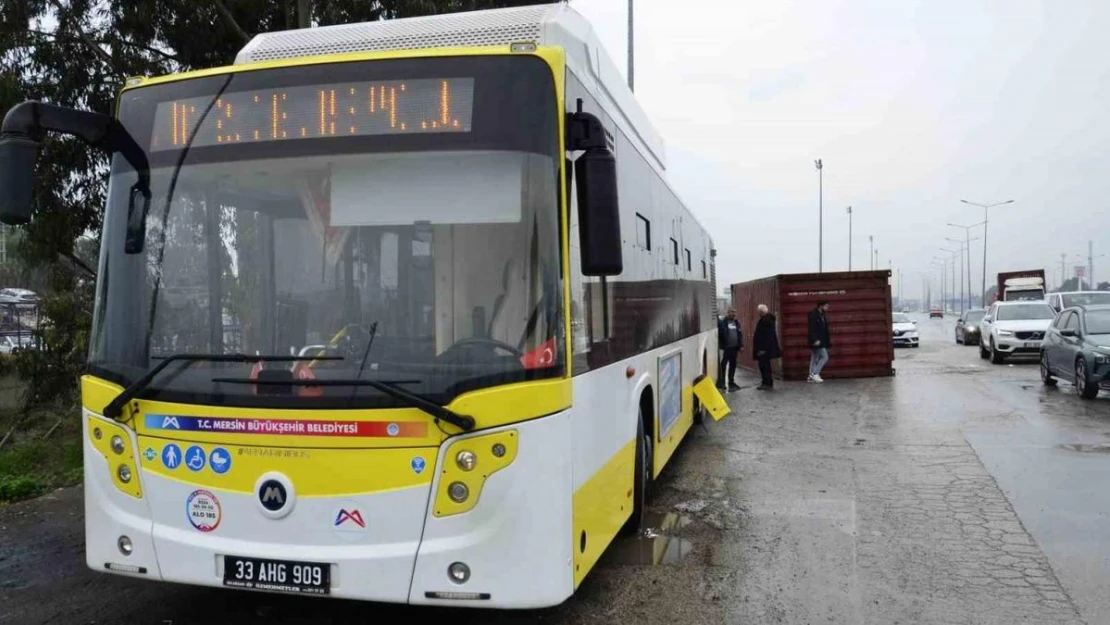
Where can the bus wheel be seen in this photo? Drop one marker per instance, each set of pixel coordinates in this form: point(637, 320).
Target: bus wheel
point(642, 487)
point(699, 410)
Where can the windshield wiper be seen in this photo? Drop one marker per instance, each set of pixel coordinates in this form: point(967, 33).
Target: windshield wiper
point(115, 407)
point(390, 388)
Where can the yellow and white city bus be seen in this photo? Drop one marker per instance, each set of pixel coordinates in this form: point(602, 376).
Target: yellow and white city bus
point(370, 320)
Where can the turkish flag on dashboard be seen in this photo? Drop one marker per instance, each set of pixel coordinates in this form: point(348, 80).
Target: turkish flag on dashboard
point(542, 356)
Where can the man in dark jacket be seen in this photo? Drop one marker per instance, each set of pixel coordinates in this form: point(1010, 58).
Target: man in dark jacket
point(730, 340)
point(765, 347)
point(819, 343)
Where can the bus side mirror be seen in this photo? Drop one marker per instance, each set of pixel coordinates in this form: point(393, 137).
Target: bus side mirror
point(599, 218)
point(26, 121)
point(17, 179)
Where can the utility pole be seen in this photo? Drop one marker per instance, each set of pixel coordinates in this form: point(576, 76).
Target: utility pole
point(1063, 271)
point(849, 238)
point(820, 217)
point(871, 238)
point(630, 42)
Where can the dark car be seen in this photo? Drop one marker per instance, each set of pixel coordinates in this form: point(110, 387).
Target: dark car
point(1076, 348)
point(936, 312)
point(967, 326)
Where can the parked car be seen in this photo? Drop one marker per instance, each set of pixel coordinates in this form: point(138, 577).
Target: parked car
point(1014, 328)
point(1070, 299)
point(936, 312)
point(13, 343)
point(21, 298)
point(967, 326)
point(904, 330)
point(1077, 349)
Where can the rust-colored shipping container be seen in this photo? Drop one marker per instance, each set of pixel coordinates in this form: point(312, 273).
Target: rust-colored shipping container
point(859, 321)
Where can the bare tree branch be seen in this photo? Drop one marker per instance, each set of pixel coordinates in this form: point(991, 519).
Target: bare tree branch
point(86, 40)
point(70, 256)
point(56, 37)
point(230, 19)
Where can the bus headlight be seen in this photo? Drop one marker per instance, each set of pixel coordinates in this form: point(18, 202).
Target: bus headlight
point(466, 460)
point(467, 464)
point(113, 442)
point(458, 492)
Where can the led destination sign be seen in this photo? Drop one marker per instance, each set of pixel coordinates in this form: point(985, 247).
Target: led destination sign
point(316, 111)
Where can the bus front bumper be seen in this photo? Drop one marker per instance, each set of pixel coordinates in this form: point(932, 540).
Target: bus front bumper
point(514, 543)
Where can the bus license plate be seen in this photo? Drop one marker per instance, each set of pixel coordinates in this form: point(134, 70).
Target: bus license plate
point(311, 578)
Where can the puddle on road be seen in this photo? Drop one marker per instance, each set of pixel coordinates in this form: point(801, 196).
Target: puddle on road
point(655, 545)
point(1085, 448)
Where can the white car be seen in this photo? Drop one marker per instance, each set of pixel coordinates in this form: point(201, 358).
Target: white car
point(12, 343)
point(1014, 328)
point(20, 298)
point(904, 331)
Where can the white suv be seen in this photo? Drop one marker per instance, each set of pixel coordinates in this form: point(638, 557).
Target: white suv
point(1014, 329)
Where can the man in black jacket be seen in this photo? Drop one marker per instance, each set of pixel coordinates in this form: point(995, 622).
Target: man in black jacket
point(765, 347)
point(819, 343)
point(730, 340)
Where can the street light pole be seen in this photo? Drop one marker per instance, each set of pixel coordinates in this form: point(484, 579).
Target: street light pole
point(943, 280)
point(968, 240)
point(871, 254)
point(953, 261)
point(985, 207)
point(849, 238)
point(820, 216)
point(963, 299)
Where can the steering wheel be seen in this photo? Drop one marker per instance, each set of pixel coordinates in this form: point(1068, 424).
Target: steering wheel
point(490, 345)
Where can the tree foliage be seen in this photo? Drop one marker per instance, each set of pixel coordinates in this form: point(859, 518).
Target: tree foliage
point(78, 53)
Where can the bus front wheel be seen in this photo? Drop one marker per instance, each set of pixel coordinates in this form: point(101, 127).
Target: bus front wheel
point(642, 486)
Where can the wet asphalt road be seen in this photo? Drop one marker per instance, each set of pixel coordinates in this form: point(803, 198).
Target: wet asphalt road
point(956, 492)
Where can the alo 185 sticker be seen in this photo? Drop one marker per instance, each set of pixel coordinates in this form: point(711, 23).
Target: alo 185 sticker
point(203, 509)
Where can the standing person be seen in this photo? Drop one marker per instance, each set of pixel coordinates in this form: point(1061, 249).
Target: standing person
point(730, 340)
point(819, 343)
point(765, 347)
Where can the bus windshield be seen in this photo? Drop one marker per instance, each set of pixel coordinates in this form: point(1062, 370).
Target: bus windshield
point(399, 217)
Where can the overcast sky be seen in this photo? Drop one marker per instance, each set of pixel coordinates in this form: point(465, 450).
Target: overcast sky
point(912, 105)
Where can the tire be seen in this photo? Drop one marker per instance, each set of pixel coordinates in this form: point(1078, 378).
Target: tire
point(997, 357)
point(642, 487)
point(983, 352)
point(1046, 373)
point(1083, 384)
point(699, 410)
